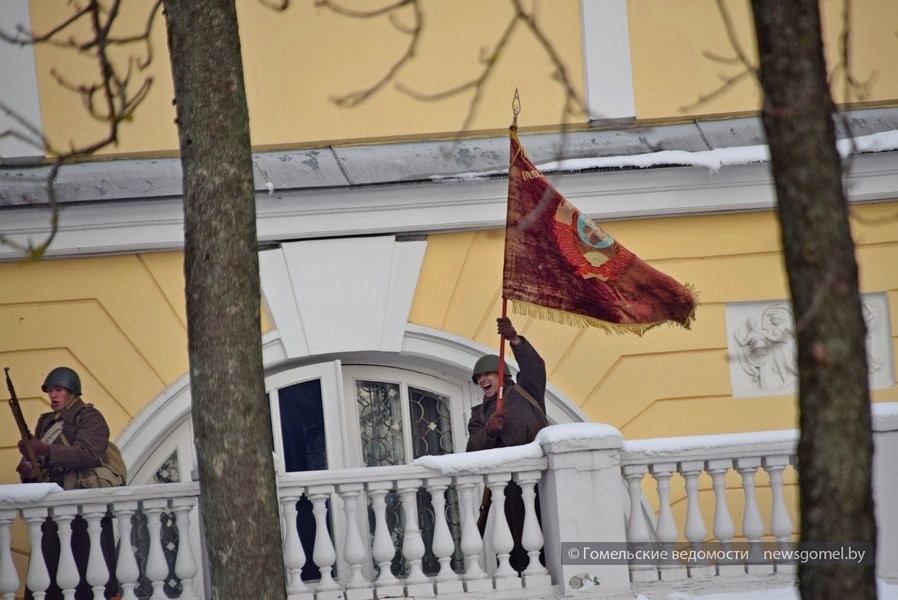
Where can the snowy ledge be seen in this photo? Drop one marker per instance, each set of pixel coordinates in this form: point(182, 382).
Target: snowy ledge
point(713, 160)
point(566, 437)
point(726, 445)
point(572, 437)
point(17, 494)
point(885, 416)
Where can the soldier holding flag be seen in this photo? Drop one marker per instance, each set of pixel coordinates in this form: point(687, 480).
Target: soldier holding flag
point(514, 424)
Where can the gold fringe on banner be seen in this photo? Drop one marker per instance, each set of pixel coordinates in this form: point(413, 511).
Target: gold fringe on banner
point(574, 320)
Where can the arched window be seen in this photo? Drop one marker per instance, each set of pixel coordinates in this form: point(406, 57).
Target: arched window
point(331, 416)
point(331, 395)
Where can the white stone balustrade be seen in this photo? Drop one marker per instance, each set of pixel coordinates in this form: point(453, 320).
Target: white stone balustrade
point(717, 456)
point(745, 454)
point(120, 505)
point(374, 538)
point(365, 560)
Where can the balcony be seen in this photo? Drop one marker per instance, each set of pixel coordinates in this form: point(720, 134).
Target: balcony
point(411, 531)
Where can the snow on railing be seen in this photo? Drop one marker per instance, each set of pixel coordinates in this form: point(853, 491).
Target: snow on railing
point(412, 530)
point(155, 555)
point(419, 537)
point(715, 455)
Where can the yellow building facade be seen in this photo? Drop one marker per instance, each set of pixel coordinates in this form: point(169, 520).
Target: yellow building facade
point(408, 248)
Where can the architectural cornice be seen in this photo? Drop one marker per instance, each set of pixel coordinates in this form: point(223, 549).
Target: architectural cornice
point(412, 189)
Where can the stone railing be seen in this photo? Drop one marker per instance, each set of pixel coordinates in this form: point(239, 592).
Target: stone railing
point(406, 531)
point(715, 455)
point(647, 466)
point(412, 530)
point(148, 520)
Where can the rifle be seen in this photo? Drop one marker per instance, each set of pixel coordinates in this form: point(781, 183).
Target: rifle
point(23, 427)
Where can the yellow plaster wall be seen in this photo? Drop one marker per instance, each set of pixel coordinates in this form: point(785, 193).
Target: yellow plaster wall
point(296, 61)
point(669, 40)
point(671, 381)
point(118, 321)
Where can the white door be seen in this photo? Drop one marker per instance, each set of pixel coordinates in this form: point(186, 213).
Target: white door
point(307, 419)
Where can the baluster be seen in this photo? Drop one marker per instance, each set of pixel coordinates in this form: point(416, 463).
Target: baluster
point(723, 523)
point(156, 567)
point(383, 549)
point(505, 576)
point(323, 552)
point(443, 545)
point(357, 587)
point(294, 555)
point(67, 576)
point(417, 583)
point(475, 579)
point(38, 577)
point(638, 533)
point(667, 529)
point(9, 579)
point(780, 522)
point(695, 529)
point(126, 571)
point(97, 570)
point(535, 575)
point(752, 523)
point(185, 564)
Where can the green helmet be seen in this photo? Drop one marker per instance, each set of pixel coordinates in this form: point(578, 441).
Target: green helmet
point(63, 377)
point(488, 363)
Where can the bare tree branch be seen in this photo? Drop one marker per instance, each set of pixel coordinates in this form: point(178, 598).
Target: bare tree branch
point(111, 99)
point(573, 103)
point(355, 98)
point(740, 58)
point(365, 14)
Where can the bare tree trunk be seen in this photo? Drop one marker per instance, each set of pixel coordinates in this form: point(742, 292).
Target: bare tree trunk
point(835, 451)
point(230, 413)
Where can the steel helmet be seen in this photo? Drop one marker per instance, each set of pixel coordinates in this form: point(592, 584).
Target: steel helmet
point(488, 363)
point(63, 377)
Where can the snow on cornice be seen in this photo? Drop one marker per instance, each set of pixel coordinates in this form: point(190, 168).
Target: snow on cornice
point(713, 160)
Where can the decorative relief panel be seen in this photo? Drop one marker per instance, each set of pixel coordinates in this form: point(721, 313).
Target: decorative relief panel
point(763, 352)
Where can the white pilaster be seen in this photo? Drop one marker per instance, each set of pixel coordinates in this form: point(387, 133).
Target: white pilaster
point(607, 70)
point(20, 91)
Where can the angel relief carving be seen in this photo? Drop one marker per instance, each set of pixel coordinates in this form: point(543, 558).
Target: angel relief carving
point(763, 350)
point(767, 351)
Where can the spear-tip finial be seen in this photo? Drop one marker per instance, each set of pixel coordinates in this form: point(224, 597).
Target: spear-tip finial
point(515, 106)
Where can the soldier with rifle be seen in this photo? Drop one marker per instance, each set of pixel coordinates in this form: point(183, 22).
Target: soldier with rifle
point(70, 447)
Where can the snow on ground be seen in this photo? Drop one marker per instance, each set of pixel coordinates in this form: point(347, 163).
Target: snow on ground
point(884, 591)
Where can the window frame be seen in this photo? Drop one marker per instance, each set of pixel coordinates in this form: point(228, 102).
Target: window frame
point(458, 407)
point(328, 373)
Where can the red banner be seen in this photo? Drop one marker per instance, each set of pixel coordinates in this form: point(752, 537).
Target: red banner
point(561, 266)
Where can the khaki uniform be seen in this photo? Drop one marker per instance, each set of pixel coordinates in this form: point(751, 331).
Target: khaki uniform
point(526, 416)
point(88, 435)
point(86, 430)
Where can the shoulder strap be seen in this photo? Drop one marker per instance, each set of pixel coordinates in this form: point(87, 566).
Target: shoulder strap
point(530, 399)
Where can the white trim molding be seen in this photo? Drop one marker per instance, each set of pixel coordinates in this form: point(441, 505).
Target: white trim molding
point(421, 208)
point(607, 70)
point(19, 93)
point(341, 295)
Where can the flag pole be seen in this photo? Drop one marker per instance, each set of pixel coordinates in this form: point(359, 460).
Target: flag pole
point(500, 400)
